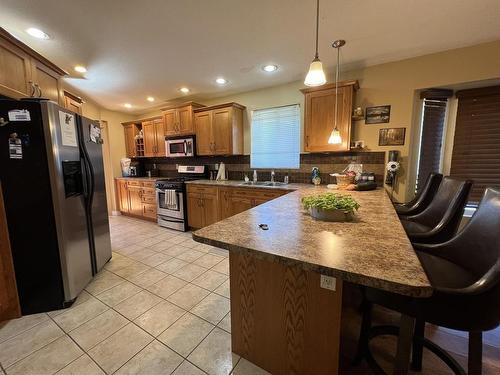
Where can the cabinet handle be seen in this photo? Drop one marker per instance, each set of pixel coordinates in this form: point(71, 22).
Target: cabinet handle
point(307, 141)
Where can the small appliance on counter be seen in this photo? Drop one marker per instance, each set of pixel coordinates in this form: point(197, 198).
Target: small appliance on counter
point(182, 146)
point(366, 181)
point(171, 197)
point(125, 165)
point(136, 169)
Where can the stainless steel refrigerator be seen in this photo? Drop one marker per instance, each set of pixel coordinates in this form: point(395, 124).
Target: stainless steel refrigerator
point(52, 176)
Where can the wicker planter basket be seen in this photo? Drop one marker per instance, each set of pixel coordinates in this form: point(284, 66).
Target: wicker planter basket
point(344, 180)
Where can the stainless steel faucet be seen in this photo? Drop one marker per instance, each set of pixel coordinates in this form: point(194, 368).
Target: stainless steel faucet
point(272, 176)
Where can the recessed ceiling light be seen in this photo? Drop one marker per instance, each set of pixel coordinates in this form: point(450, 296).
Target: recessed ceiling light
point(37, 33)
point(127, 105)
point(150, 99)
point(221, 81)
point(81, 69)
point(184, 90)
point(270, 68)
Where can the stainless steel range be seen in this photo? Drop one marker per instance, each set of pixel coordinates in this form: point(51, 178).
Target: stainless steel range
point(171, 196)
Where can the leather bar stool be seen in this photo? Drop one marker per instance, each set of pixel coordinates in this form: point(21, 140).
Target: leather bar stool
point(423, 198)
point(465, 274)
point(440, 220)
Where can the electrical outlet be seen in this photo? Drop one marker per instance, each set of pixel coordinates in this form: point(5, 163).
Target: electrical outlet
point(328, 282)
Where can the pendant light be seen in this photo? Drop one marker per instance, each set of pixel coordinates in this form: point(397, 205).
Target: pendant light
point(316, 75)
point(335, 138)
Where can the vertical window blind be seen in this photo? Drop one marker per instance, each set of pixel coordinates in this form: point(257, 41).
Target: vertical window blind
point(476, 147)
point(434, 113)
point(275, 134)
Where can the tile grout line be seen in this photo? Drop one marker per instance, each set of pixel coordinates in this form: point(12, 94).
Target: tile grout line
point(3, 370)
point(20, 333)
point(83, 350)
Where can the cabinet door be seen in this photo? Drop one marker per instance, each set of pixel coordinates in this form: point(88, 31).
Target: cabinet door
point(239, 204)
point(72, 105)
point(170, 122)
point(224, 203)
point(195, 210)
point(148, 129)
point(130, 140)
point(222, 131)
point(160, 137)
point(135, 202)
point(203, 125)
point(210, 209)
point(185, 120)
point(123, 196)
point(149, 210)
point(320, 119)
point(15, 71)
point(47, 81)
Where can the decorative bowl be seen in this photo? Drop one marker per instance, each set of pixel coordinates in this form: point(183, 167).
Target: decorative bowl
point(336, 215)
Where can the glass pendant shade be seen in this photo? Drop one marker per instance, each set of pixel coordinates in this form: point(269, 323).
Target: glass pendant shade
point(316, 75)
point(335, 138)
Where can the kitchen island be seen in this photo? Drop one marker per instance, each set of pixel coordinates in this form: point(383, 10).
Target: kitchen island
point(286, 281)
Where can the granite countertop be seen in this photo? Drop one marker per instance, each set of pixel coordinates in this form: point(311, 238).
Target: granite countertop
point(239, 184)
point(374, 250)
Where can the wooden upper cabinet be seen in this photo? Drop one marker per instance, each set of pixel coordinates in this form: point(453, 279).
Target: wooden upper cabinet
point(170, 121)
point(149, 132)
point(179, 120)
point(130, 133)
point(160, 136)
point(25, 73)
point(72, 102)
point(46, 82)
point(15, 71)
point(319, 116)
point(219, 129)
point(203, 121)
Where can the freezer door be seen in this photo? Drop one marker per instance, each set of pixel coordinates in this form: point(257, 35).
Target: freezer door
point(67, 185)
point(97, 205)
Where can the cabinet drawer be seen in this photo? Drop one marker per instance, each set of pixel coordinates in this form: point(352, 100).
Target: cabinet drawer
point(151, 199)
point(149, 210)
point(148, 184)
point(148, 191)
point(202, 189)
point(133, 183)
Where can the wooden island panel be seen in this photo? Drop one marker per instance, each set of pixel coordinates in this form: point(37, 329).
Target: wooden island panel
point(281, 319)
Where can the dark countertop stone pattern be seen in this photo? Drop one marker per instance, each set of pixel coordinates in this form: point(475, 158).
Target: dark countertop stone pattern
point(372, 251)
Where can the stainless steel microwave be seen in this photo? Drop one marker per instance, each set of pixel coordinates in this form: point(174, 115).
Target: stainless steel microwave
point(180, 146)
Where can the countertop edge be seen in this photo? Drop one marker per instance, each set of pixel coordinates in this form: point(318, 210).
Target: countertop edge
point(390, 286)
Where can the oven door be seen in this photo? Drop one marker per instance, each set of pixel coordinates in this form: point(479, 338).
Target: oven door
point(173, 211)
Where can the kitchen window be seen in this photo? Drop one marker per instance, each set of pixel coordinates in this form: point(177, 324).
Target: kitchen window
point(275, 135)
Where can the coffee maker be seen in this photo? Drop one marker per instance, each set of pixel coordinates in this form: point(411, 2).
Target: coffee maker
point(136, 169)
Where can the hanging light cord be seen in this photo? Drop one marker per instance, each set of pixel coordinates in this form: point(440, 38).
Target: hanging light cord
point(336, 86)
point(316, 56)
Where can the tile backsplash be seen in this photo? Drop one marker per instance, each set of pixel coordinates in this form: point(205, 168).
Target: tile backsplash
point(239, 165)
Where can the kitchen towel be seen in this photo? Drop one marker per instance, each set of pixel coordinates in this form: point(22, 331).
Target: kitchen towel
point(171, 199)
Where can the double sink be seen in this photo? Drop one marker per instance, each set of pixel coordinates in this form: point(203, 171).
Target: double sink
point(262, 183)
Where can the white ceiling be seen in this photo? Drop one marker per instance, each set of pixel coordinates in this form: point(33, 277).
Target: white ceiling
point(133, 49)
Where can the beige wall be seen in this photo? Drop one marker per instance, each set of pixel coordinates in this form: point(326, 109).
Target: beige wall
point(394, 83)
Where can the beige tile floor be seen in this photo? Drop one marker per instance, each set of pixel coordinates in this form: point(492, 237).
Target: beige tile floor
point(160, 306)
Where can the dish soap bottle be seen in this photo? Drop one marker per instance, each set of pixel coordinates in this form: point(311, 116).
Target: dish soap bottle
point(315, 176)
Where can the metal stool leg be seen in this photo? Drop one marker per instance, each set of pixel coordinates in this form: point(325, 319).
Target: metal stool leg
point(418, 346)
point(475, 353)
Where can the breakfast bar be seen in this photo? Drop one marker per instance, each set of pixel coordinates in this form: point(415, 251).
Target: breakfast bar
point(287, 272)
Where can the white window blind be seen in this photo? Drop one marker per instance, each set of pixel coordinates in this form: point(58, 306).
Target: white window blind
point(276, 137)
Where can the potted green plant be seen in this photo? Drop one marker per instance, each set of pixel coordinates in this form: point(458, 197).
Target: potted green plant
point(331, 207)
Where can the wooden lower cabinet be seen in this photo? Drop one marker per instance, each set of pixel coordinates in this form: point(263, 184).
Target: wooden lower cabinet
point(203, 206)
point(209, 204)
point(136, 198)
point(9, 302)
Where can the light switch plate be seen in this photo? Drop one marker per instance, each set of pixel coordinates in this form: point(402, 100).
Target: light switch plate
point(328, 282)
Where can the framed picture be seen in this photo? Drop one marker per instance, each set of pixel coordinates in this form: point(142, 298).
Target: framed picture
point(391, 137)
point(378, 115)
